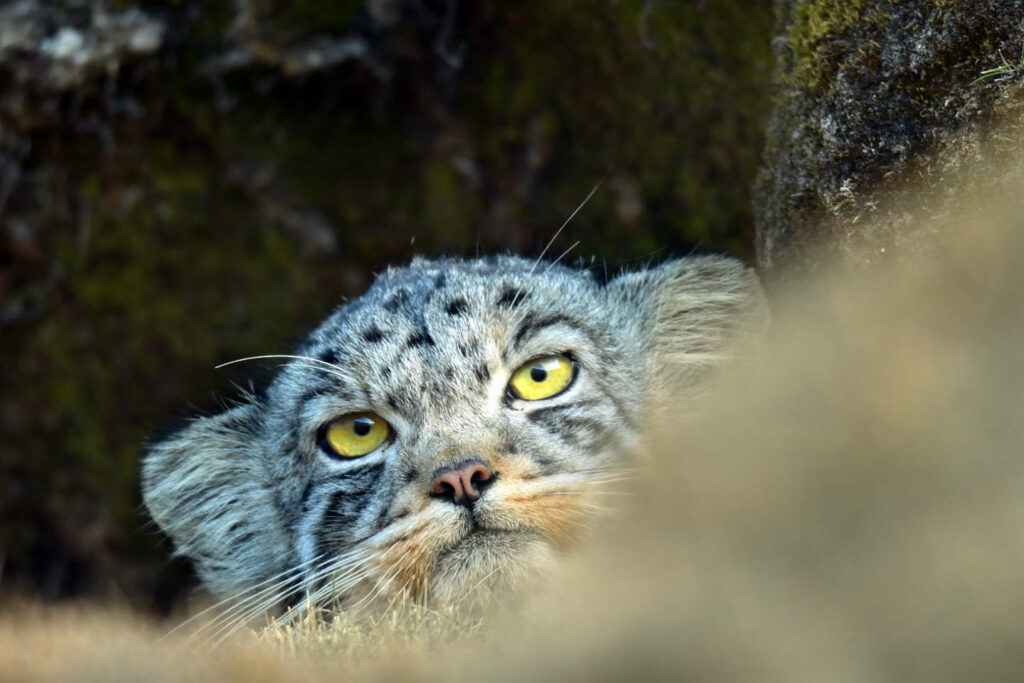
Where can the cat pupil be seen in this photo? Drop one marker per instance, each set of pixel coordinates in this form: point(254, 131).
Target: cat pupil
point(361, 426)
point(538, 374)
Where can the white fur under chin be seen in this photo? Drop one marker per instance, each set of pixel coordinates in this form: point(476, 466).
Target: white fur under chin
point(490, 564)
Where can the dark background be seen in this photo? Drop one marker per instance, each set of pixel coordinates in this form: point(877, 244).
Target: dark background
point(184, 183)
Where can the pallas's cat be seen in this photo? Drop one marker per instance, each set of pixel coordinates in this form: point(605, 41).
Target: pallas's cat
point(443, 436)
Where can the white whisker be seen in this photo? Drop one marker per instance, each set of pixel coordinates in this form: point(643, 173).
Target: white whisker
point(381, 583)
point(567, 221)
point(275, 582)
point(561, 256)
point(336, 370)
point(586, 199)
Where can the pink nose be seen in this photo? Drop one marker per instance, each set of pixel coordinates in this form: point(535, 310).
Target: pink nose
point(463, 483)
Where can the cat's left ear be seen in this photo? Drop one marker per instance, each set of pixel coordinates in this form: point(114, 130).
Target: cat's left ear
point(692, 309)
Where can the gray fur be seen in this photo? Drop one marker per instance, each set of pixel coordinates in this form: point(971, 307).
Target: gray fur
point(249, 494)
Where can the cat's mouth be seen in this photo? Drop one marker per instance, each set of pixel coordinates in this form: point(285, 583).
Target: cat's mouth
point(480, 535)
point(450, 555)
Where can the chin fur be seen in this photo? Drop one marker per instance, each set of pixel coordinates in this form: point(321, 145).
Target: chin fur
point(489, 564)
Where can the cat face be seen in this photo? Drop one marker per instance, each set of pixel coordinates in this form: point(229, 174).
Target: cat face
point(445, 435)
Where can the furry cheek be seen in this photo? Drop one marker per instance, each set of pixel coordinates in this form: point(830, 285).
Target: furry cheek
point(403, 558)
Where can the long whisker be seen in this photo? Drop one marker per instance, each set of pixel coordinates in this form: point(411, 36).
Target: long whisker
point(230, 621)
point(336, 586)
point(335, 369)
point(482, 581)
point(242, 596)
point(586, 199)
point(561, 256)
point(231, 626)
point(389, 576)
point(380, 585)
point(399, 593)
point(347, 570)
point(241, 613)
point(581, 492)
point(567, 221)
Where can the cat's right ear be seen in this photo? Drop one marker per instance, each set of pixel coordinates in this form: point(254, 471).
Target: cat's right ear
point(692, 310)
point(207, 487)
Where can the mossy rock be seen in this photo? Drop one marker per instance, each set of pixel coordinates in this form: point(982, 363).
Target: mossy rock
point(879, 106)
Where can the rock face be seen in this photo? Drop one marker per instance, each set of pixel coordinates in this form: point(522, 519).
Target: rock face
point(183, 183)
point(874, 97)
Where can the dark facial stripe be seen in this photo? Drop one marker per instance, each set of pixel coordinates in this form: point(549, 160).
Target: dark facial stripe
point(573, 430)
point(384, 516)
point(622, 412)
point(513, 297)
point(304, 498)
point(324, 385)
point(345, 505)
point(532, 325)
point(355, 481)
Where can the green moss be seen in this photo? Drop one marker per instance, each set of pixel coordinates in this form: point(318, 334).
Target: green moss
point(168, 286)
point(814, 24)
point(666, 95)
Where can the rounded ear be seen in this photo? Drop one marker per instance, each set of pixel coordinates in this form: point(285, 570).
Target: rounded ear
point(693, 311)
point(209, 490)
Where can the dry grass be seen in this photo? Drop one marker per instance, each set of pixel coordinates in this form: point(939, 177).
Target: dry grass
point(849, 507)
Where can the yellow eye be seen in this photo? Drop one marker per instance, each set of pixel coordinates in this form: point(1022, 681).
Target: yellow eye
point(542, 377)
point(354, 435)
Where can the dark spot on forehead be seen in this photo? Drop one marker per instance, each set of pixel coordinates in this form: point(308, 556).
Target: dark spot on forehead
point(328, 356)
point(399, 299)
point(440, 281)
point(420, 338)
point(373, 334)
point(512, 297)
point(464, 350)
point(456, 307)
point(482, 372)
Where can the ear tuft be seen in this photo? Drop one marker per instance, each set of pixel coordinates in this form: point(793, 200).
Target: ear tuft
point(208, 489)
